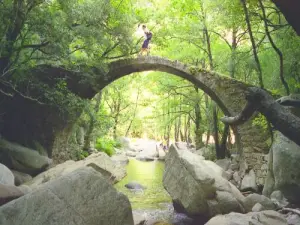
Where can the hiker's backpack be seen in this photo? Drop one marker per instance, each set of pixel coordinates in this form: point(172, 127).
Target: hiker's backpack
point(149, 35)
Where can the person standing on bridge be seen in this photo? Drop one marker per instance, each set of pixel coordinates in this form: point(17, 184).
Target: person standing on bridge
point(148, 36)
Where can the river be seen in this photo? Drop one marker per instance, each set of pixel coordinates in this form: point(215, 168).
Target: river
point(150, 175)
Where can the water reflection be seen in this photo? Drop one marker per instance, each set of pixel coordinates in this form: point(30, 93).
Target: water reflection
point(148, 174)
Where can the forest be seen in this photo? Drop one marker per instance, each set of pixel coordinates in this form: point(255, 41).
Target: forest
point(213, 77)
point(246, 40)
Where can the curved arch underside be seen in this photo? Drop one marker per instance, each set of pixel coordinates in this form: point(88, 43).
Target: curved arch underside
point(223, 90)
point(228, 93)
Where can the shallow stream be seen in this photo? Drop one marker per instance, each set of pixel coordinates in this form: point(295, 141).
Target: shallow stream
point(148, 174)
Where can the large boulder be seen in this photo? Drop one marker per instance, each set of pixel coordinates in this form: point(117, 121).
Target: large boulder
point(6, 176)
point(24, 159)
point(197, 186)
point(284, 169)
point(147, 148)
point(79, 198)
point(255, 218)
point(101, 162)
point(9, 193)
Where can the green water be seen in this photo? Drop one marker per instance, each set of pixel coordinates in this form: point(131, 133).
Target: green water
point(150, 175)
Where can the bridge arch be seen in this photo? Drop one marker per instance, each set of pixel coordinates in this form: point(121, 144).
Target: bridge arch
point(228, 93)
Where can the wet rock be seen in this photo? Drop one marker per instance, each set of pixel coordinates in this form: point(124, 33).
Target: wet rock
point(145, 158)
point(182, 219)
point(134, 185)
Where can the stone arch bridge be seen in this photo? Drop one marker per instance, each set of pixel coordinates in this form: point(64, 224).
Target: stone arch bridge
point(228, 93)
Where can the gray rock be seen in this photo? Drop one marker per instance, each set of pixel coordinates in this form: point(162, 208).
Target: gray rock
point(284, 169)
point(21, 178)
point(255, 218)
point(243, 168)
point(227, 175)
point(197, 185)
point(101, 162)
point(124, 141)
point(79, 198)
point(224, 163)
point(182, 219)
point(234, 166)
point(161, 154)
point(120, 159)
point(236, 177)
point(131, 153)
point(257, 208)
point(252, 199)
point(24, 159)
point(293, 219)
point(6, 176)
point(249, 182)
point(144, 158)
point(8, 193)
point(134, 185)
point(278, 198)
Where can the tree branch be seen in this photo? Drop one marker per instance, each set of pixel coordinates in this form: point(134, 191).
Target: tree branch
point(280, 117)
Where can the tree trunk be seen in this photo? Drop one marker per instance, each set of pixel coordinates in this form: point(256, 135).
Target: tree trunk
point(233, 53)
point(223, 146)
point(277, 50)
point(290, 9)
point(134, 113)
point(254, 50)
point(281, 118)
point(216, 131)
point(93, 120)
point(198, 118)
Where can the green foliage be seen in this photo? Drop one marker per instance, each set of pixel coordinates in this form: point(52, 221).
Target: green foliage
point(107, 145)
point(83, 155)
point(261, 121)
